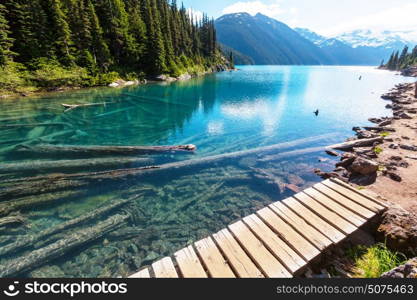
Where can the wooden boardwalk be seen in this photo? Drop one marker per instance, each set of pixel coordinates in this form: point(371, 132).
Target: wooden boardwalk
point(278, 241)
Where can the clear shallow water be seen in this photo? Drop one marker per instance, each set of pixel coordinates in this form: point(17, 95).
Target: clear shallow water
point(220, 113)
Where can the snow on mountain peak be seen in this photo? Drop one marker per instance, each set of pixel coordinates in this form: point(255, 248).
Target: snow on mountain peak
point(373, 38)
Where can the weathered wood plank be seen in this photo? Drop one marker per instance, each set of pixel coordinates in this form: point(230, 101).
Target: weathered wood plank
point(189, 264)
point(355, 197)
point(311, 234)
point(349, 187)
point(142, 274)
point(238, 259)
point(346, 202)
point(257, 251)
point(288, 234)
point(335, 207)
point(164, 268)
point(314, 220)
point(213, 259)
point(326, 214)
point(281, 250)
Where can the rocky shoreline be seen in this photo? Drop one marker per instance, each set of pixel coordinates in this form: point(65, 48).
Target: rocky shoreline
point(382, 160)
point(383, 151)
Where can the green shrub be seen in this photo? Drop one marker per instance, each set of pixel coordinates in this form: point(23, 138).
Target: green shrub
point(385, 134)
point(107, 78)
point(49, 73)
point(12, 77)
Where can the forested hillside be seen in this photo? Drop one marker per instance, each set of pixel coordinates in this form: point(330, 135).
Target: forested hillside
point(49, 43)
point(405, 59)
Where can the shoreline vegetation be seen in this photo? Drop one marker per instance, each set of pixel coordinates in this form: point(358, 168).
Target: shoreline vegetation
point(56, 45)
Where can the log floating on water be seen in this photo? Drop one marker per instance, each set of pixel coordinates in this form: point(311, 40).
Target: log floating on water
point(356, 143)
point(102, 150)
point(61, 247)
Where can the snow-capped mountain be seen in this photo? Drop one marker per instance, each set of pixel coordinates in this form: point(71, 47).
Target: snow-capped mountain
point(361, 46)
point(371, 38)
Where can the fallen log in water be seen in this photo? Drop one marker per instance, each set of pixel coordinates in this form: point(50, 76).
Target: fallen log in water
point(28, 241)
point(35, 125)
point(69, 107)
point(16, 219)
point(72, 241)
point(102, 150)
point(40, 198)
point(71, 165)
point(356, 144)
point(82, 179)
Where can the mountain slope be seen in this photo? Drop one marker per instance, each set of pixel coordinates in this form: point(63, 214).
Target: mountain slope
point(267, 41)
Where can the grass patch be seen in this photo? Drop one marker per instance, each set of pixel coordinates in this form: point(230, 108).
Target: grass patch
point(374, 261)
point(378, 150)
point(385, 134)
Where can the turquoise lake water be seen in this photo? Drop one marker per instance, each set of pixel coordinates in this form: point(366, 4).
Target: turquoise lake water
point(254, 107)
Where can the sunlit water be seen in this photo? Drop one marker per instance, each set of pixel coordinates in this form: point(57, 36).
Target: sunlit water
point(222, 113)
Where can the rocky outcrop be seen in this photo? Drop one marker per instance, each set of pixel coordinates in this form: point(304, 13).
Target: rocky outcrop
point(123, 83)
point(364, 166)
point(410, 71)
point(399, 230)
point(408, 270)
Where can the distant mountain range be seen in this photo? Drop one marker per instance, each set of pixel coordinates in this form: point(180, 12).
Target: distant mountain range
point(264, 40)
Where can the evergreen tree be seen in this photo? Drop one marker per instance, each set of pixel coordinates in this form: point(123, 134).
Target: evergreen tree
point(61, 33)
point(5, 41)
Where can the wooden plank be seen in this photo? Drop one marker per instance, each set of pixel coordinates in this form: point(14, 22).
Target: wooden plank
point(288, 234)
point(189, 264)
point(346, 202)
point(349, 187)
point(238, 259)
point(326, 214)
point(213, 259)
point(315, 237)
point(164, 268)
point(354, 197)
point(336, 207)
point(141, 274)
point(281, 250)
point(257, 251)
point(325, 228)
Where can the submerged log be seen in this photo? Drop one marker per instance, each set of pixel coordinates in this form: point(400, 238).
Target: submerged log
point(356, 144)
point(29, 241)
point(72, 241)
point(69, 107)
point(9, 220)
point(35, 125)
point(102, 150)
point(83, 179)
point(41, 198)
point(77, 164)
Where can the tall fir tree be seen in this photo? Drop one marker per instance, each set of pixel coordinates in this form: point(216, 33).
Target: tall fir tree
point(5, 41)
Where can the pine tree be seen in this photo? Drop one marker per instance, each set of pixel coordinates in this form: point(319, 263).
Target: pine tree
point(61, 33)
point(5, 41)
point(403, 56)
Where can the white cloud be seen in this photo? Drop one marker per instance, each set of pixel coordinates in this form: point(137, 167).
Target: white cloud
point(273, 10)
point(195, 14)
point(395, 18)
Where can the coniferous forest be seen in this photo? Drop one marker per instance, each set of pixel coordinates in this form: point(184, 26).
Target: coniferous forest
point(399, 61)
point(52, 43)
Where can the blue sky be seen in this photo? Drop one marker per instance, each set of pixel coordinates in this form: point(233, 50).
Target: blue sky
point(328, 17)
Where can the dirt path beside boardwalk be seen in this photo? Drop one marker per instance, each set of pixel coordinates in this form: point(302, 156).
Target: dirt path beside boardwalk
point(387, 168)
